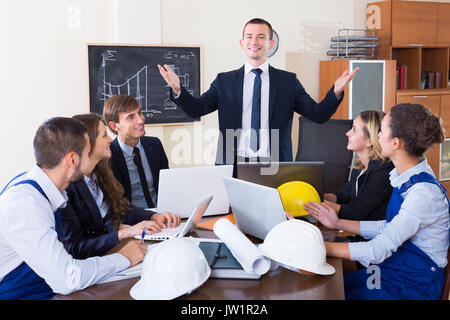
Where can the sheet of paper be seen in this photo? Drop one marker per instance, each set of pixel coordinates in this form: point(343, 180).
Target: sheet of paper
point(131, 272)
point(249, 256)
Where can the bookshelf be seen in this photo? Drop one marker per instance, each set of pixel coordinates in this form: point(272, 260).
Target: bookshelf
point(417, 34)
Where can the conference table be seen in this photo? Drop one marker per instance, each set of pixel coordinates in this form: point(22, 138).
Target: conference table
point(278, 284)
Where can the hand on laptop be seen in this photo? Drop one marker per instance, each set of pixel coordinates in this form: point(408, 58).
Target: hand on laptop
point(167, 219)
point(150, 226)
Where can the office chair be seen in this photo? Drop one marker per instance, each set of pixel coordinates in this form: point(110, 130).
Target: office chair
point(326, 142)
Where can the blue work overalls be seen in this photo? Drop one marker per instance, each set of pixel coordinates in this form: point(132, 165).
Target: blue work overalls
point(23, 283)
point(408, 273)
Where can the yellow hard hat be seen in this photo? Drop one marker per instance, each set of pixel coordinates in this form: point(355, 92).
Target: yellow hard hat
point(295, 194)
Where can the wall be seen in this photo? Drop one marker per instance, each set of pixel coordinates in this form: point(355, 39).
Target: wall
point(44, 62)
point(44, 65)
point(303, 27)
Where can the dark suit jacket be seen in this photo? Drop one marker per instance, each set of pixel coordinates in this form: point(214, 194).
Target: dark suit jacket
point(155, 154)
point(374, 193)
point(83, 231)
point(286, 95)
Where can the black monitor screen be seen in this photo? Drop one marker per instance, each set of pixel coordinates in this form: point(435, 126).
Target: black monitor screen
point(326, 142)
point(308, 171)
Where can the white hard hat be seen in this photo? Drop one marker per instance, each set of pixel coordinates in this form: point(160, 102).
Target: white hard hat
point(297, 245)
point(171, 269)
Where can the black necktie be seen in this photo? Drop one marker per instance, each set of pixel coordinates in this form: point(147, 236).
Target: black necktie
point(256, 111)
point(137, 160)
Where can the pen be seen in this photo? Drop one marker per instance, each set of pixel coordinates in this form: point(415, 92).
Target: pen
point(143, 234)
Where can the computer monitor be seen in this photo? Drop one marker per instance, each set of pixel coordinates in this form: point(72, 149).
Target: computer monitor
point(312, 172)
point(326, 142)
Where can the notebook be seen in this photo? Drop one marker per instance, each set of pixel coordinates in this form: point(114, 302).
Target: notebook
point(183, 228)
point(222, 262)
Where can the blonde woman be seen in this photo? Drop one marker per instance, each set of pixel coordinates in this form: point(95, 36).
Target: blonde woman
point(366, 195)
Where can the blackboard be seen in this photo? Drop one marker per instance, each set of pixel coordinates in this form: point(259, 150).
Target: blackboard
point(132, 69)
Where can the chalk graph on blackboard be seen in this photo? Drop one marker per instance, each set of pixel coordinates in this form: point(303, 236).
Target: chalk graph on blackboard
point(137, 85)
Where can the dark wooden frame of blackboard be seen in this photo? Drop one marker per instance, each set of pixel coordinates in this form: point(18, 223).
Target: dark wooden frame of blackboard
point(147, 45)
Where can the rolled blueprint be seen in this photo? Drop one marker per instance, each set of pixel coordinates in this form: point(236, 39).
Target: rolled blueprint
point(246, 253)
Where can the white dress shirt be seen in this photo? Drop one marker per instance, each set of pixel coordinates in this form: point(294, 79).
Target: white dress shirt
point(247, 97)
point(97, 194)
point(27, 234)
point(423, 218)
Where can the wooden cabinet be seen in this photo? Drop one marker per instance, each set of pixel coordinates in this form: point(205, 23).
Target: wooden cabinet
point(438, 101)
point(445, 113)
point(415, 34)
point(432, 102)
point(371, 88)
point(443, 25)
point(414, 24)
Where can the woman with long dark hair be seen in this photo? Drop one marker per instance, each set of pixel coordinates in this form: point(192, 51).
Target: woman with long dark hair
point(98, 216)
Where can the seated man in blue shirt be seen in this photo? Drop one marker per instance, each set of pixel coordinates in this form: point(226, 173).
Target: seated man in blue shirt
point(135, 158)
point(33, 262)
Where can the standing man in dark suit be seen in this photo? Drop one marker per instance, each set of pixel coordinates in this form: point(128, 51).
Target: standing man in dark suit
point(256, 102)
point(136, 159)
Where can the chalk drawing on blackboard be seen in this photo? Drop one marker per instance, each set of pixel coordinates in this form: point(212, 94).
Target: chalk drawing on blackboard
point(173, 55)
point(184, 81)
point(132, 70)
point(136, 85)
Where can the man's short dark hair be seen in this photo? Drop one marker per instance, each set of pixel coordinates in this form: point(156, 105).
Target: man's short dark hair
point(259, 21)
point(57, 137)
point(116, 105)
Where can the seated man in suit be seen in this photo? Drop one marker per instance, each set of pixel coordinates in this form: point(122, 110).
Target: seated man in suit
point(256, 102)
point(136, 159)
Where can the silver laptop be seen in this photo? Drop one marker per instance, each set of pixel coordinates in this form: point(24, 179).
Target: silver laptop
point(180, 189)
point(183, 228)
point(257, 209)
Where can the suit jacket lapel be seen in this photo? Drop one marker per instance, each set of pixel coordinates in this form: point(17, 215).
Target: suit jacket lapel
point(153, 161)
point(115, 147)
point(273, 87)
point(89, 201)
point(239, 88)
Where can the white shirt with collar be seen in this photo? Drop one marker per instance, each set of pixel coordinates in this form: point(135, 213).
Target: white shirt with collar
point(247, 97)
point(27, 234)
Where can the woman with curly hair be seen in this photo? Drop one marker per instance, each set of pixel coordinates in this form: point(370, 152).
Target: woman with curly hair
point(408, 250)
